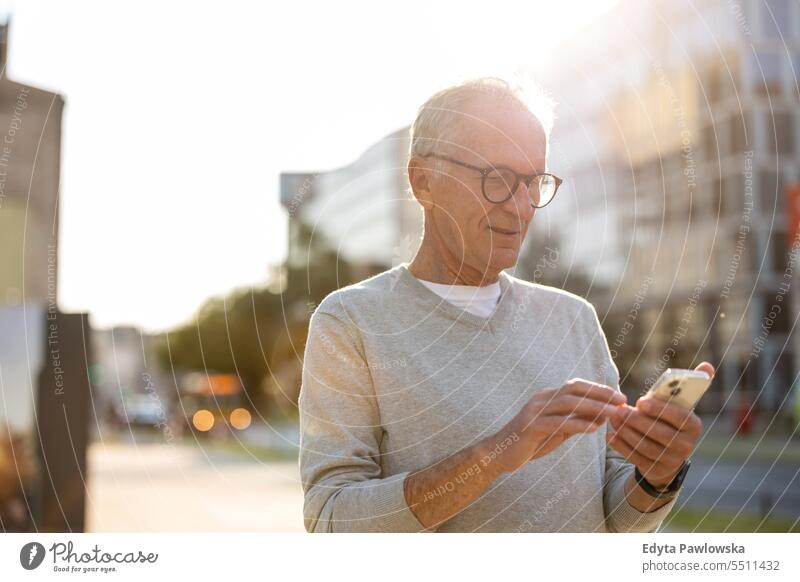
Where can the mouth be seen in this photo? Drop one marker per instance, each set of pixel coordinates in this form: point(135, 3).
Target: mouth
point(504, 231)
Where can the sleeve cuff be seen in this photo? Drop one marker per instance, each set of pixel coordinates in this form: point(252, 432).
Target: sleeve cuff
point(392, 509)
point(626, 518)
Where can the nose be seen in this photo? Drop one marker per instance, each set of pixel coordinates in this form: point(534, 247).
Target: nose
point(520, 204)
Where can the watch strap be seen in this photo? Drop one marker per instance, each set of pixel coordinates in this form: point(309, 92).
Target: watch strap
point(669, 490)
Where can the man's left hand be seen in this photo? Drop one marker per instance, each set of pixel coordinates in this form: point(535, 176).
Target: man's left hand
point(656, 436)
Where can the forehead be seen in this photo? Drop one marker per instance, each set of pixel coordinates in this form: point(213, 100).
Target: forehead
point(498, 130)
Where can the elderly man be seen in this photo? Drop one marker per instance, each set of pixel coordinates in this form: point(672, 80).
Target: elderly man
point(447, 395)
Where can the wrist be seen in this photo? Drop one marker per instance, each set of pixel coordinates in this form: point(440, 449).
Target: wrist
point(490, 451)
point(664, 482)
point(661, 488)
point(660, 485)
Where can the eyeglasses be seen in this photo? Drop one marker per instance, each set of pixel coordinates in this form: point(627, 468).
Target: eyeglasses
point(499, 183)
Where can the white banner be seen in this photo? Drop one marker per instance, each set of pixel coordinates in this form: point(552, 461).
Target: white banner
point(284, 557)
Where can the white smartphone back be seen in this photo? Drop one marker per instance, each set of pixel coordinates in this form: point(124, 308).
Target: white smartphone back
point(683, 387)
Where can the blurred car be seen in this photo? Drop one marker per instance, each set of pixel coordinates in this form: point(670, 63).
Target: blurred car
point(213, 403)
point(142, 410)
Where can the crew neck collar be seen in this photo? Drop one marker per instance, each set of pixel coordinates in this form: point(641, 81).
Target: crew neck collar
point(475, 291)
point(491, 323)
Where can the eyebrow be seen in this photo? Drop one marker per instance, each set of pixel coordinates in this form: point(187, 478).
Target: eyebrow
point(482, 169)
point(510, 167)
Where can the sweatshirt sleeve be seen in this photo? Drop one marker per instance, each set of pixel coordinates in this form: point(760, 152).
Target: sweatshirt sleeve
point(340, 435)
point(621, 516)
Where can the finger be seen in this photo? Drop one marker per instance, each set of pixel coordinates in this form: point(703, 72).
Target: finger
point(681, 418)
point(650, 469)
point(627, 451)
point(557, 438)
point(648, 447)
point(567, 425)
point(569, 404)
point(595, 391)
point(661, 432)
point(707, 368)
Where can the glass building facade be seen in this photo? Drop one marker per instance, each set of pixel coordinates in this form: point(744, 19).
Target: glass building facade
point(678, 135)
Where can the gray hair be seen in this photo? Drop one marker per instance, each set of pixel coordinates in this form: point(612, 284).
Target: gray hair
point(437, 119)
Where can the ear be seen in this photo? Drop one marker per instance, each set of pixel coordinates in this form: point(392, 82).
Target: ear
point(420, 176)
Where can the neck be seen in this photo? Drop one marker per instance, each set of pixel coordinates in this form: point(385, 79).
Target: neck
point(435, 264)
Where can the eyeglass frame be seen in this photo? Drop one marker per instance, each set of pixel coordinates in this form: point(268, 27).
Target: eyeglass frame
point(527, 179)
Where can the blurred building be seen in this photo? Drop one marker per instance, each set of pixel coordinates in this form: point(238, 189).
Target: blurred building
point(363, 212)
point(126, 377)
point(345, 225)
point(678, 137)
point(44, 354)
point(30, 162)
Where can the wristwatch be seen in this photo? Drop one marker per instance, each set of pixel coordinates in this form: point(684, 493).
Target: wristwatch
point(670, 489)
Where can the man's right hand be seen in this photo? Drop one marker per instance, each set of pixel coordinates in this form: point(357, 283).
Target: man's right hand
point(552, 416)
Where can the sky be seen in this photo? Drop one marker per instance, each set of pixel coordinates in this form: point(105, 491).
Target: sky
point(180, 117)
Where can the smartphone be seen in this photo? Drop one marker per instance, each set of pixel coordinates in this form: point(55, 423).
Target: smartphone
point(683, 387)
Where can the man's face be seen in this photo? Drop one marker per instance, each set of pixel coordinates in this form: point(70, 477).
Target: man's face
point(484, 236)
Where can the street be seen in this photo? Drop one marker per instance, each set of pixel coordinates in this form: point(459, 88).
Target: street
point(753, 487)
point(153, 486)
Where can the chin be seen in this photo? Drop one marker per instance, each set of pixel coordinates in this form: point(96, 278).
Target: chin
point(503, 259)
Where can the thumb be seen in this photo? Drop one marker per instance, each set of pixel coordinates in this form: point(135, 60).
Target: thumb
point(707, 368)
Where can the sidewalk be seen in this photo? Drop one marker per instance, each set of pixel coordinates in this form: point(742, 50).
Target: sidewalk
point(719, 442)
point(153, 487)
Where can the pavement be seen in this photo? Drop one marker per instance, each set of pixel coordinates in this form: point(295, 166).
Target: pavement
point(718, 442)
point(757, 473)
point(754, 487)
point(135, 486)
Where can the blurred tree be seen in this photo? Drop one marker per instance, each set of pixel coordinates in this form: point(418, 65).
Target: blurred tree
point(254, 331)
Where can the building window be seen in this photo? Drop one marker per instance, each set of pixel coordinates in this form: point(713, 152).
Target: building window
point(770, 192)
point(712, 83)
point(738, 130)
point(766, 67)
point(709, 138)
point(779, 252)
point(721, 78)
point(777, 320)
point(780, 133)
point(727, 195)
point(732, 195)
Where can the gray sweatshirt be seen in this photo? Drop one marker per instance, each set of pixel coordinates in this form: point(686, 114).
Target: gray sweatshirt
point(395, 379)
